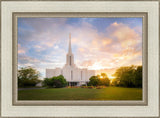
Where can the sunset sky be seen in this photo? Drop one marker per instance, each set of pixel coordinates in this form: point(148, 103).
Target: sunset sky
point(102, 44)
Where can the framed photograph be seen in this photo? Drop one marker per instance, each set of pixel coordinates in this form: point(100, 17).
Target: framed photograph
point(80, 59)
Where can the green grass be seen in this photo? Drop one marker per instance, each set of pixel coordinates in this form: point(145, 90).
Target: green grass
point(109, 93)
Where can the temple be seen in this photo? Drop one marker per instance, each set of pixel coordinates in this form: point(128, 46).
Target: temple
point(73, 75)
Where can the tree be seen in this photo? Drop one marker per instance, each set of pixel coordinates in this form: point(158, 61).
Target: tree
point(104, 80)
point(129, 76)
point(28, 76)
point(55, 82)
point(99, 80)
point(62, 80)
point(47, 82)
point(93, 81)
point(104, 75)
point(115, 82)
point(138, 76)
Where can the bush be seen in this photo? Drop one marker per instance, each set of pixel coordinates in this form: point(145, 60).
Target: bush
point(75, 87)
point(83, 86)
point(55, 82)
point(90, 87)
point(100, 87)
point(93, 81)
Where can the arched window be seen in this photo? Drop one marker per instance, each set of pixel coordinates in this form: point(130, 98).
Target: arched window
point(71, 75)
point(70, 60)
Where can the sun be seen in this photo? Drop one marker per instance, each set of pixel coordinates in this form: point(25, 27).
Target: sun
point(111, 77)
point(101, 77)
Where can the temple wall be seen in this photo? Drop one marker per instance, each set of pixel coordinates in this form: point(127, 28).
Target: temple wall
point(53, 72)
point(78, 75)
point(50, 73)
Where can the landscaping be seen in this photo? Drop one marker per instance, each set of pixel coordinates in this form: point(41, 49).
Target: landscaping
point(127, 85)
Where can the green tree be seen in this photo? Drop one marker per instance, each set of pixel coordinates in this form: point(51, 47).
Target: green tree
point(129, 76)
point(55, 82)
point(28, 76)
point(93, 81)
point(138, 76)
point(99, 80)
point(104, 80)
point(47, 82)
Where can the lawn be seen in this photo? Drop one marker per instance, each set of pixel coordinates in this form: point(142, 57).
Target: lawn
point(109, 93)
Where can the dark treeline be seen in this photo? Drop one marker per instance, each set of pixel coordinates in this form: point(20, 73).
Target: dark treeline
point(130, 76)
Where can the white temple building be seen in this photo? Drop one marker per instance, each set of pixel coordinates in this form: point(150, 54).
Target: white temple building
point(73, 75)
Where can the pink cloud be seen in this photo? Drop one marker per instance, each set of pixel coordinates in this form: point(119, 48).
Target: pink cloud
point(21, 50)
point(124, 34)
point(115, 47)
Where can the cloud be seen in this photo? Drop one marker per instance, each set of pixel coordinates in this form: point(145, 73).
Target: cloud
point(125, 35)
point(121, 46)
point(21, 50)
point(43, 43)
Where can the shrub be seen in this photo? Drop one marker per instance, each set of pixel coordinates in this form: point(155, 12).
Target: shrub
point(55, 82)
point(90, 87)
point(100, 87)
point(75, 87)
point(83, 86)
point(93, 81)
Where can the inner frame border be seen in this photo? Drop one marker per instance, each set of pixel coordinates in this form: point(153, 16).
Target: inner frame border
point(143, 102)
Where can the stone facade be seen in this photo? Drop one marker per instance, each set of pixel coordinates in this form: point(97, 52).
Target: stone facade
point(74, 75)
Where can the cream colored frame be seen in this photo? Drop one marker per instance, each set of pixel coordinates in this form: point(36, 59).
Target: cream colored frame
point(79, 102)
point(8, 109)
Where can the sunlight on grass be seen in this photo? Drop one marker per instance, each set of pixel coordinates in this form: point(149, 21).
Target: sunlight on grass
point(109, 93)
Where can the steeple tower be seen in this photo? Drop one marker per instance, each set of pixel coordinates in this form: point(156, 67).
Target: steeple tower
point(70, 56)
point(69, 47)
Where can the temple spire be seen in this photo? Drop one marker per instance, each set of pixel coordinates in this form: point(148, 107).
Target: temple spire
point(69, 48)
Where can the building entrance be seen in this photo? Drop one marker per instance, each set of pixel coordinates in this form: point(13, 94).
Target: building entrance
point(72, 83)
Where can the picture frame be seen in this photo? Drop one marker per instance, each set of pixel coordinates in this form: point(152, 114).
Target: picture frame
point(11, 107)
point(78, 102)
